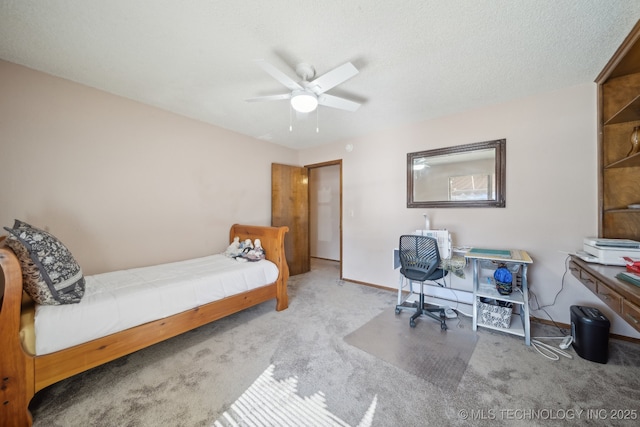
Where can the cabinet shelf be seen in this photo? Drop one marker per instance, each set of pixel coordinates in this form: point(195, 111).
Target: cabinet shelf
point(623, 210)
point(627, 162)
point(628, 113)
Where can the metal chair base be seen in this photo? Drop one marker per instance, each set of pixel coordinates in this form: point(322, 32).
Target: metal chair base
point(422, 308)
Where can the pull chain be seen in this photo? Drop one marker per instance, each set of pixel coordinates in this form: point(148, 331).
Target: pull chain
point(290, 120)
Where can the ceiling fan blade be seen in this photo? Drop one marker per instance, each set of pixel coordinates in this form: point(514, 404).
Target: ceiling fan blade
point(333, 78)
point(336, 102)
point(287, 81)
point(269, 97)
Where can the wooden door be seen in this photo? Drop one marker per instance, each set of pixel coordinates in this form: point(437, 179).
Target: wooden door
point(290, 207)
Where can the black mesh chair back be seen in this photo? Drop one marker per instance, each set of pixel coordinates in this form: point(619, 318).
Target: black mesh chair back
point(420, 262)
point(419, 258)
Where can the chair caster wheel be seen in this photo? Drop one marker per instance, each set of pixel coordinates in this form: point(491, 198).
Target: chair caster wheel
point(398, 311)
point(412, 324)
point(443, 326)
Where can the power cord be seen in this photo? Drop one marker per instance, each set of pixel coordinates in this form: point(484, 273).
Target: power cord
point(566, 269)
point(542, 307)
point(455, 296)
point(551, 352)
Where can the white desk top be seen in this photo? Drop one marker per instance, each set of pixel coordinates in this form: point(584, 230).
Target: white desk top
point(506, 255)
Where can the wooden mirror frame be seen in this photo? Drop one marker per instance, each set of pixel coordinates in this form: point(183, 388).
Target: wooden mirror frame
point(499, 146)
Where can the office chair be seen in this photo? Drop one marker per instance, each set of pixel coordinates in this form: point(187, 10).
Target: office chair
point(419, 262)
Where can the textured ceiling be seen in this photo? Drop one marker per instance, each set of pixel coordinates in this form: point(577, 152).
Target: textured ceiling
point(418, 59)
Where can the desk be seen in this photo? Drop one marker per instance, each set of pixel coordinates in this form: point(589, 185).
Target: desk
point(621, 297)
point(520, 324)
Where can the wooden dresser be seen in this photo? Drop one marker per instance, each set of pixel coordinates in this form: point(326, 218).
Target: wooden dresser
point(621, 297)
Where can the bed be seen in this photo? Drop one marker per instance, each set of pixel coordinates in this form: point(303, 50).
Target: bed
point(24, 371)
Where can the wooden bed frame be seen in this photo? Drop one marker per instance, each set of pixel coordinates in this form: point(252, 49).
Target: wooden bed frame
point(23, 374)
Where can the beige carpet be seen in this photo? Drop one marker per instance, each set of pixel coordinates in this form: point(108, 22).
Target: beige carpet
point(437, 356)
point(273, 402)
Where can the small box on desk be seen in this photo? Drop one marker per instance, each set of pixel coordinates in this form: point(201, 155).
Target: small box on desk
point(494, 313)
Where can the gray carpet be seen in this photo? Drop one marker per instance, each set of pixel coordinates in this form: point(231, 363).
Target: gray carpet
point(194, 379)
point(426, 351)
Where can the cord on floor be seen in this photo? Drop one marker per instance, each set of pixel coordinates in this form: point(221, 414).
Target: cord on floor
point(549, 351)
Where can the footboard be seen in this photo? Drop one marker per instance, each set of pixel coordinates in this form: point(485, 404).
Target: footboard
point(16, 367)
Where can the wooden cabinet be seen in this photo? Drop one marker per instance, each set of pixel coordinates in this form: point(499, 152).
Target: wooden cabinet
point(621, 297)
point(618, 114)
point(619, 176)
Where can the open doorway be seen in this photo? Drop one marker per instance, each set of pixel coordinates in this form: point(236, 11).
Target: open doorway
point(325, 213)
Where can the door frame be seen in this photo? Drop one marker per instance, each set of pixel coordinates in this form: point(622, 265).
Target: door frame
point(337, 162)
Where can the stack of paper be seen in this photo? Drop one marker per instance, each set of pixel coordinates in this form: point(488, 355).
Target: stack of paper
point(629, 277)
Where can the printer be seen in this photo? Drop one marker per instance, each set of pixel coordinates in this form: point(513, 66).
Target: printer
point(609, 251)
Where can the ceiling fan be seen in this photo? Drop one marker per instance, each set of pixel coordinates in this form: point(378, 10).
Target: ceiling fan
point(305, 96)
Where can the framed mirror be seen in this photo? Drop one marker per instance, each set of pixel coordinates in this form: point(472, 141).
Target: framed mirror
point(471, 175)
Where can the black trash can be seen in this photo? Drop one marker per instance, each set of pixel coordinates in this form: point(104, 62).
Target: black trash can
point(590, 332)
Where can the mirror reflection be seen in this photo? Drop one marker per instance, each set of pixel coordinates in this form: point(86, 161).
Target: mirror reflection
point(471, 175)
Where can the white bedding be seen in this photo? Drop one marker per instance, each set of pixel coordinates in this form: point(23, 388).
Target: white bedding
point(119, 300)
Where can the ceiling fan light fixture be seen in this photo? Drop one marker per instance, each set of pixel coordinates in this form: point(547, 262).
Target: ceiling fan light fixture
point(303, 101)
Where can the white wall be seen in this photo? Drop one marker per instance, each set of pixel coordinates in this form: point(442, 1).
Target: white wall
point(551, 194)
point(324, 212)
point(121, 183)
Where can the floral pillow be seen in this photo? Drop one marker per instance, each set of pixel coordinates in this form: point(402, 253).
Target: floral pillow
point(50, 274)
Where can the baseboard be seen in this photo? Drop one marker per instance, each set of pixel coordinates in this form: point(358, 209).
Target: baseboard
point(371, 285)
point(568, 327)
point(325, 259)
point(532, 318)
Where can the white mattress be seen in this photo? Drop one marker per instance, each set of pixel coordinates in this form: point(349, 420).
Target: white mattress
point(119, 300)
